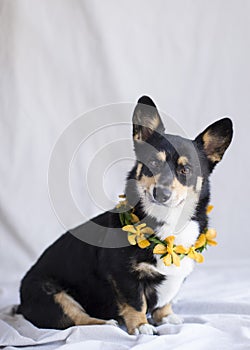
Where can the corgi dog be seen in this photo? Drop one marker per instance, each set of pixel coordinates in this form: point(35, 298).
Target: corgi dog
point(76, 283)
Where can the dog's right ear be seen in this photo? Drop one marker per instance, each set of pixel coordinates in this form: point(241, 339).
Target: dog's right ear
point(215, 139)
point(146, 120)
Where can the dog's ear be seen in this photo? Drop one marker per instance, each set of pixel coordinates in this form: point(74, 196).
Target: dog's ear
point(215, 139)
point(146, 120)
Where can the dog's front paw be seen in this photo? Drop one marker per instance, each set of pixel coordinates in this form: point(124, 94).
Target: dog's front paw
point(112, 323)
point(172, 319)
point(145, 329)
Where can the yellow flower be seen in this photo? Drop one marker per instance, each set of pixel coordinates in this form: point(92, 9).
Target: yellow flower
point(209, 208)
point(170, 251)
point(136, 234)
point(191, 252)
point(201, 241)
point(134, 218)
point(206, 238)
point(210, 235)
point(122, 204)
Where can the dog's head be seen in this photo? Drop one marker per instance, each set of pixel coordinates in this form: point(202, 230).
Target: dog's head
point(172, 171)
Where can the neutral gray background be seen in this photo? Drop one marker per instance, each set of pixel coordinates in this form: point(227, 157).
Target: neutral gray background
point(59, 59)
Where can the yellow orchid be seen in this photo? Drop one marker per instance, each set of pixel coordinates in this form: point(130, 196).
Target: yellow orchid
point(134, 218)
point(201, 241)
point(210, 235)
point(209, 208)
point(170, 250)
point(136, 234)
point(122, 204)
point(206, 238)
point(193, 254)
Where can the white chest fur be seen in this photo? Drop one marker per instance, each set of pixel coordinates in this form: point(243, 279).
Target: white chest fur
point(175, 275)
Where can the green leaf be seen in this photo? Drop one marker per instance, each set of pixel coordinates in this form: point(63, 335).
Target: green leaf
point(127, 217)
point(121, 217)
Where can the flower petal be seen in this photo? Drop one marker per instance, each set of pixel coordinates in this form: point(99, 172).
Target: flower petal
point(170, 240)
point(212, 242)
point(122, 204)
point(139, 227)
point(129, 228)
point(148, 230)
point(199, 258)
point(143, 243)
point(134, 218)
point(132, 239)
point(167, 260)
point(191, 254)
point(160, 249)
point(179, 249)
point(209, 209)
point(201, 241)
point(176, 259)
point(211, 233)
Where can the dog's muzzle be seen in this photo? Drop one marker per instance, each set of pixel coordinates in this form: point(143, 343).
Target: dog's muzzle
point(161, 194)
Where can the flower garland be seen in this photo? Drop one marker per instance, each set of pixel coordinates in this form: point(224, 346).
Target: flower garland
point(145, 237)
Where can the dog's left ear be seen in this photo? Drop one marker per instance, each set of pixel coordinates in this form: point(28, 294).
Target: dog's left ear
point(215, 139)
point(146, 120)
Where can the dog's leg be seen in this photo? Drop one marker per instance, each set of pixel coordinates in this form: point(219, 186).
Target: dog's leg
point(136, 320)
point(165, 314)
point(76, 313)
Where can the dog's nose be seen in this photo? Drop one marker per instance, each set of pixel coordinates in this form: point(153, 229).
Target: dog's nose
point(161, 194)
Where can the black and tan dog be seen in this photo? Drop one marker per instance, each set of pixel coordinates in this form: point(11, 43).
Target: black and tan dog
point(75, 283)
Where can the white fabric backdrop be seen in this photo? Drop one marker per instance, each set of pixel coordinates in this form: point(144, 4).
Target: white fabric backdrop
point(59, 59)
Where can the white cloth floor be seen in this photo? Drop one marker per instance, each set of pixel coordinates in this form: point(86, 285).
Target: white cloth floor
point(214, 303)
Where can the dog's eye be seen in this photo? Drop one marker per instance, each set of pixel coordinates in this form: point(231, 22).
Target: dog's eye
point(185, 170)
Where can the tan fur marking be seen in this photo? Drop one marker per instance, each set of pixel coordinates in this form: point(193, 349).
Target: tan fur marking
point(179, 188)
point(138, 170)
point(153, 123)
point(215, 158)
point(138, 137)
point(133, 318)
point(75, 311)
point(161, 156)
point(182, 160)
point(147, 181)
point(212, 143)
point(145, 269)
point(161, 312)
point(146, 126)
